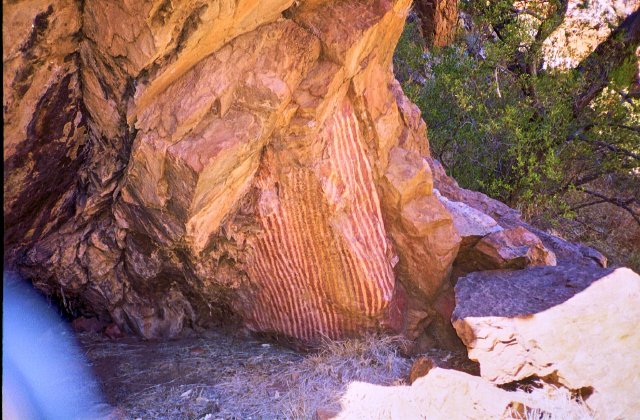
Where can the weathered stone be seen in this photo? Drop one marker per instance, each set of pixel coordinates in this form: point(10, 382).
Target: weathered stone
point(471, 224)
point(575, 325)
point(438, 21)
point(508, 218)
point(44, 130)
point(325, 414)
point(423, 232)
point(421, 367)
point(420, 225)
point(91, 325)
point(584, 27)
point(169, 165)
point(174, 163)
point(441, 394)
point(113, 332)
point(509, 248)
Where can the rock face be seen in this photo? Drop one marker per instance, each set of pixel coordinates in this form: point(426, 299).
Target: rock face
point(168, 164)
point(438, 21)
point(173, 165)
point(471, 224)
point(585, 26)
point(508, 248)
point(477, 213)
point(573, 325)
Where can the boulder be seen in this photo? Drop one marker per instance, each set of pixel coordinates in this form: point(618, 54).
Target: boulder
point(572, 325)
point(509, 248)
point(508, 218)
point(471, 224)
point(421, 367)
point(440, 394)
point(425, 240)
point(173, 165)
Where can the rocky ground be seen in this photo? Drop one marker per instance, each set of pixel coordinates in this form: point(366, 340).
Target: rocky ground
point(226, 374)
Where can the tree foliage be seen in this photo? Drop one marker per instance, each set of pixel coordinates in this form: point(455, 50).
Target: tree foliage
point(548, 142)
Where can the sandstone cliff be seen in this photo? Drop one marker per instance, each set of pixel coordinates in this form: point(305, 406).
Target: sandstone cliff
point(172, 164)
point(167, 163)
point(438, 21)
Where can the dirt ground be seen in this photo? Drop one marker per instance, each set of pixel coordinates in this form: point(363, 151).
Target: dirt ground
point(231, 375)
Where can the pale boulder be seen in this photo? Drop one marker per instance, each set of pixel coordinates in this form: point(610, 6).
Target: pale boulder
point(575, 325)
point(471, 224)
point(441, 394)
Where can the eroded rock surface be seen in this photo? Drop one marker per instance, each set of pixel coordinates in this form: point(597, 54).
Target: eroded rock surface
point(514, 248)
point(486, 210)
point(438, 21)
point(440, 394)
point(471, 224)
point(168, 164)
point(573, 325)
point(172, 165)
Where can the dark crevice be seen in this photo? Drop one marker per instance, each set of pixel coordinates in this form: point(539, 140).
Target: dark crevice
point(53, 170)
point(23, 78)
point(160, 17)
point(39, 27)
point(190, 25)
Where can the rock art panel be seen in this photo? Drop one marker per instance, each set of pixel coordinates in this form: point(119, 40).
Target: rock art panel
point(177, 164)
point(322, 254)
point(173, 165)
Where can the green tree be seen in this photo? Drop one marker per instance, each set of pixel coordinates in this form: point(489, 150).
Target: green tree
point(550, 143)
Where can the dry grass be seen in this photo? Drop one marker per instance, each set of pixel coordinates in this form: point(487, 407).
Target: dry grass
point(227, 375)
point(297, 390)
point(223, 376)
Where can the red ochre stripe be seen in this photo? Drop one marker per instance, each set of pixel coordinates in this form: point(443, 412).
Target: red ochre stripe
point(313, 276)
point(339, 155)
point(360, 227)
point(367, 220)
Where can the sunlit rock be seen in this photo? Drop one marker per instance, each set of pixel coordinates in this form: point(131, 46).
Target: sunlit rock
point(573, 325)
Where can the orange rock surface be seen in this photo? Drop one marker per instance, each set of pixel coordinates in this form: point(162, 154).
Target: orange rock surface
point(176, 165)
point(171, 163)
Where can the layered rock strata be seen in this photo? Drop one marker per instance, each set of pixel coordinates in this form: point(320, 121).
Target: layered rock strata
point(170, 163)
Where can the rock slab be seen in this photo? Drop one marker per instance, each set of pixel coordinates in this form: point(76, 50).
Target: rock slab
point(574, 325)
point(441, 394)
